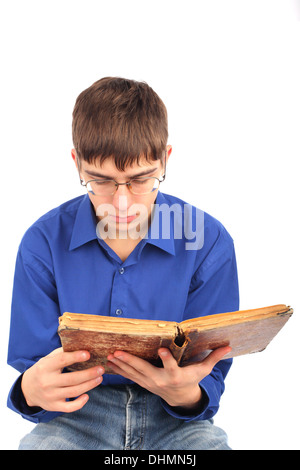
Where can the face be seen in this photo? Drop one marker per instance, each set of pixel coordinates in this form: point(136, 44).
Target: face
point(123, 214)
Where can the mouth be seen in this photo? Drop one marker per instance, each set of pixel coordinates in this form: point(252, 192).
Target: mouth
point(123, 220)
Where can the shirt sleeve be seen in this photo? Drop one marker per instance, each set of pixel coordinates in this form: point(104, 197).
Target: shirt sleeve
point(34, 318)
point(214, 289)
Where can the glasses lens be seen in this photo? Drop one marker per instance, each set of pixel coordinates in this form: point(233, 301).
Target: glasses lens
point(101, 188)
point(144, 185)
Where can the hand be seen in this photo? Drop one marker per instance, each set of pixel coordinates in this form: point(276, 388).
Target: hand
point(44, 385)
point(178, 386)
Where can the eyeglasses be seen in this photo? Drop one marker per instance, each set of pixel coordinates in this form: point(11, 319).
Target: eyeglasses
point(139, 186)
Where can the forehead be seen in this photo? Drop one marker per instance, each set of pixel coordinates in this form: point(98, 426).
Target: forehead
point(108, 167)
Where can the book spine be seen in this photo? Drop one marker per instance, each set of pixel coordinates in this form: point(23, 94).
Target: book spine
point(178, 345)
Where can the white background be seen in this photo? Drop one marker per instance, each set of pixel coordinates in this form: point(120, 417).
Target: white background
point(228, 72)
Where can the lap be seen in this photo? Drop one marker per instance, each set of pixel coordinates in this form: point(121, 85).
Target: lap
point(127, 417)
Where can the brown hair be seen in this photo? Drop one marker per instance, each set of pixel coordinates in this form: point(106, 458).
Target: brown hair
point(119, 118)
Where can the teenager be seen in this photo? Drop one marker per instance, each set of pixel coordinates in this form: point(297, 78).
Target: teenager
point(124, 249)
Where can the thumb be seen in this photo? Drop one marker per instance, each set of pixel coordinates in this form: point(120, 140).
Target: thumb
point(55, 352)
point(215, 356)
point(168, 360)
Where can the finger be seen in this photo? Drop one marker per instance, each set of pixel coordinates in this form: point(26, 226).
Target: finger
point(121, 367)
point(59, 359)
point(71, 406)
point(128, 372)
point(55, 352)
point(78, 377)
point(215, 356)
point(136, 363)
point(168, 360)
point(77, 390)
point(116, 369)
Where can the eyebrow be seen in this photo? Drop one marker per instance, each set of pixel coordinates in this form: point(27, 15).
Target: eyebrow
point(100, 175)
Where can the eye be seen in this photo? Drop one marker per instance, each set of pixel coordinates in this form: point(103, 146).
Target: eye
point(102, 182)
point(141, 181)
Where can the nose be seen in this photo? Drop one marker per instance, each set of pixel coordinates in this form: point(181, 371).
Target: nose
point(121, 199)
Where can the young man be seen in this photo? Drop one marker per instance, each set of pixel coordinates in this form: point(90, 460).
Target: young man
point(119, 251)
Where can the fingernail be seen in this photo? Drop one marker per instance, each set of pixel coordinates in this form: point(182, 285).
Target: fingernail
point(164, 353)
point(119, 356)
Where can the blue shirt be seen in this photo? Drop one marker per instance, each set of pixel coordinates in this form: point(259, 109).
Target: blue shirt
point(62, 265)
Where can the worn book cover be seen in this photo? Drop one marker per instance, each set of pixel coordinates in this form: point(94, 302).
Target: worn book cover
point(245, 331)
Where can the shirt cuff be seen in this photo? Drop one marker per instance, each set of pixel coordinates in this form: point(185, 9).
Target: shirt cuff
point(16, 402)
point(195, 414)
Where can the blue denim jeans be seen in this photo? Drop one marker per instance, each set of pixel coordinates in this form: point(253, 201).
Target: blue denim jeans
point(124, 417)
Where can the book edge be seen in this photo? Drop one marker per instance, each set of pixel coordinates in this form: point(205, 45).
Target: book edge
point(239, 316)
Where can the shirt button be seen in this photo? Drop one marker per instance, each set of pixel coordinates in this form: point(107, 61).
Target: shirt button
point(119, 311)
point(121, 270)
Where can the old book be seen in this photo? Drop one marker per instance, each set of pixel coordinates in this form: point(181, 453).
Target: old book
point(190, 341)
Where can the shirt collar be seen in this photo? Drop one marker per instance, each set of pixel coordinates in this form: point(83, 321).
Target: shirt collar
point(84, 229)
point(155, 236)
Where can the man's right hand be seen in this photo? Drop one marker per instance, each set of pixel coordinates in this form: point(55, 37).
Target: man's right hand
point(45, 385)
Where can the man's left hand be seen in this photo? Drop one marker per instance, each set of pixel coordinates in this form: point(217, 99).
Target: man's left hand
point(178, 386)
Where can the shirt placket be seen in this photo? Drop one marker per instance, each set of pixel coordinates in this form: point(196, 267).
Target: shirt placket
point(121, 282)
point(119, 293)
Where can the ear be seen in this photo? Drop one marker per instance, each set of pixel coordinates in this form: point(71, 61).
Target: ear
point(74, 157)
point(169, 151)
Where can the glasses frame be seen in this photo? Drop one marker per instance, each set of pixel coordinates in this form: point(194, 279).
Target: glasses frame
point(127, 183)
